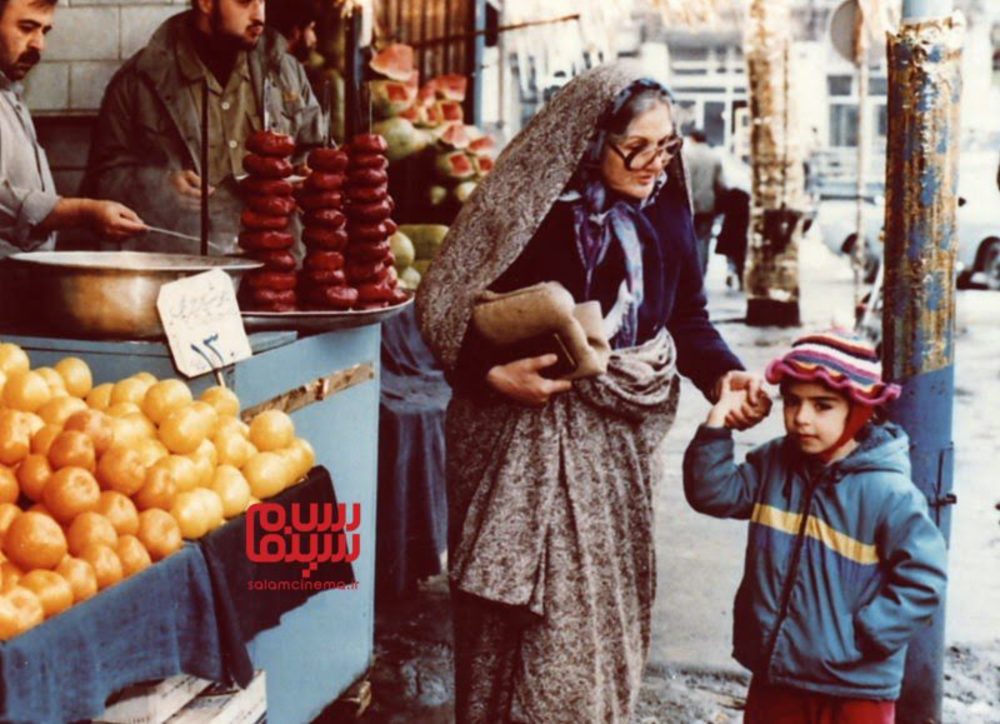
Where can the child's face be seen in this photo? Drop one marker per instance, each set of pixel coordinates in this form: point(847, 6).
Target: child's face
point(815, 415)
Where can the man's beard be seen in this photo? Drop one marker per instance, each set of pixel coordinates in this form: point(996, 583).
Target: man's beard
point(24, 63)
point(229, 41)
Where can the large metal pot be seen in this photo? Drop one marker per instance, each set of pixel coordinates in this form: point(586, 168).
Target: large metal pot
point(109, 294)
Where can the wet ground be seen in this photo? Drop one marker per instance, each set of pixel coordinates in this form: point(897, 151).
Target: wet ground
point(690, 676)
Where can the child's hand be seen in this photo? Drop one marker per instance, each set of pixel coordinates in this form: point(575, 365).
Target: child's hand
point(730, 402)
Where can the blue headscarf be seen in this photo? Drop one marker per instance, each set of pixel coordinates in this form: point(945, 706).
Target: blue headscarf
point(601, 217)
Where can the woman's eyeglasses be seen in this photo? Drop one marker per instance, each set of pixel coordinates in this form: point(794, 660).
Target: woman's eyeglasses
point(643, 157)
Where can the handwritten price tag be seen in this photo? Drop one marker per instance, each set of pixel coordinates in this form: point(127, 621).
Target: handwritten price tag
point(203, 324)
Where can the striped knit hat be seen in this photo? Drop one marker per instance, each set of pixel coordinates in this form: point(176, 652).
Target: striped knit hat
point(839, 360)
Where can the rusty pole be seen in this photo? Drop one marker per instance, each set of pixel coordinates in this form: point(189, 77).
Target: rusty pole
point(771, 279)
point(925, 87)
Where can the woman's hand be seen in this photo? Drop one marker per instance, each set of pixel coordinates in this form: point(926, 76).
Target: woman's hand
point(521, 381)
point(756, 404)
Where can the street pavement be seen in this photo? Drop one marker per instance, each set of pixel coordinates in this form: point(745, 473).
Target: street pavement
point(690, 676)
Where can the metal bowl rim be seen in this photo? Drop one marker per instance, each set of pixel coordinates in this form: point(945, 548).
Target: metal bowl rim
point(119, 261)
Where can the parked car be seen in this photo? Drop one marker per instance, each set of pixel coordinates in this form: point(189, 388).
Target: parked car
point(978, 222)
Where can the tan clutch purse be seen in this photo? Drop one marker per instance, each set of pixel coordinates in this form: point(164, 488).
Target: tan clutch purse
point(544, 318)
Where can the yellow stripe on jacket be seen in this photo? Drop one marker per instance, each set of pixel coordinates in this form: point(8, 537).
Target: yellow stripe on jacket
point(836, 541)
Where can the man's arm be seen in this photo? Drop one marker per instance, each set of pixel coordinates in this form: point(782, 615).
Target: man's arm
point(22, 212)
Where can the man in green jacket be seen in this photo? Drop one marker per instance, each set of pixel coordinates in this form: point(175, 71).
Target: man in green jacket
point(146, 149)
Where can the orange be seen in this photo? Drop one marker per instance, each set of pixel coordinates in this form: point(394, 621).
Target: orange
point(159, 533)
point(232, 448)
point(183, 469)
point(209, 413)
point(233, 424)
point(88, 528)
point(120, 512)
point(206, 450)
point(9, 622)
point(57, 410)
point(121, 469)
point(107, 565)
point(272, 430)
point(164, 397)
point(146, 378)
point(232, 488)
point(8, 511)
point(158, 490)
point(73, 448)
point(266, 473)
point(69, 492)
point(41, 441)
point(9, 487)
point(303, 457)
point(76, 376)
point(204, 469)
point(39, 508)
point(99, 398)
point(57, 387)
point(184, 430)
point(193, 518)
point(53, 591)
point(94, 424)
point(13, 359)
point(131, 389)
point(212, 503)
point(151, 451)
point(224, 400)
point(11, 574)
point(133, 555)
point(80, 576)
point(15, 437)
point(32, 475)
point(26, 391)
point(33, 541)
point(30, 611)
point(121, 409)
point(132, 428)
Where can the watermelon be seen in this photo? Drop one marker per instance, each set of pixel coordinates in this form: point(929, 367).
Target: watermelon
point(426, 238)
point(402, 249)
point(451, 111)
point(430, 116)
point(464, 190)
point(482, 164)
point(412, 114)
point(452, 136)
point(389, 97)
point(454, 165)
point(403, 139)
point(394, 61)
point(451, 87)
point(483, 146)
point(437, 195)
point(427, 94)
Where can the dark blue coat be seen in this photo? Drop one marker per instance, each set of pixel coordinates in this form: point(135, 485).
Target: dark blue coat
point(674, 294)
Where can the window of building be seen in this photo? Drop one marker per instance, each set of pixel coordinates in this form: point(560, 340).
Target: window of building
point(878, 86)
point(843, 125)
point(840, 85)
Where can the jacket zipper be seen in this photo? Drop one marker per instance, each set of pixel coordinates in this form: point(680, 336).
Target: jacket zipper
point(793, 569)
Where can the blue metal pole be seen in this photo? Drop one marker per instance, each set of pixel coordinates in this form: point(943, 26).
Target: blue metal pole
point(925, 87)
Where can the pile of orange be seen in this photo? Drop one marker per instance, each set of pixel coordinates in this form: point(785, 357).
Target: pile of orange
point(99, 482)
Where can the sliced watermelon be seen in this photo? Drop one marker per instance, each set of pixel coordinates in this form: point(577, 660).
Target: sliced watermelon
point(451, 87)
point(430, 116)
point(412, 114)
point(395, 62)
point(452, 135)
point(455, 165)
point(451, 111)
point(427, 94)
point(484, 146)
point(390, 97)
point(482, 164)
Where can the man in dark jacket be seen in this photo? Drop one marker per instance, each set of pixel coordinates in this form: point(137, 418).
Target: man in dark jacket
point(146, 150)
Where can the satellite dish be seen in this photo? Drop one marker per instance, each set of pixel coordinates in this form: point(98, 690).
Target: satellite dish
point(842, 23)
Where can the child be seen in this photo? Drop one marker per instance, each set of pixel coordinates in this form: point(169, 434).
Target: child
point(843, 563)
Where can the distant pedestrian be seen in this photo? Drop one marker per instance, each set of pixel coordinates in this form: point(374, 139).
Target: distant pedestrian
point(843, 564)
point(732, 242)
point(704, 166)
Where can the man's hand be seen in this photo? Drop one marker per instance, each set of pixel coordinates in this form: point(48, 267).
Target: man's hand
point(754, 406)
point(188, 184)
point(113, 220)
point(521, 381)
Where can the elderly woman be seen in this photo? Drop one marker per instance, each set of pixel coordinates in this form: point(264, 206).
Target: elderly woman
point(550, 482)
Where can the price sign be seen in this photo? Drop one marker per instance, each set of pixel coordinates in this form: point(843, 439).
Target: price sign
point(203, 324)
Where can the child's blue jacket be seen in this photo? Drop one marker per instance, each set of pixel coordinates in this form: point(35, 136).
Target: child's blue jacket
point(842, 566)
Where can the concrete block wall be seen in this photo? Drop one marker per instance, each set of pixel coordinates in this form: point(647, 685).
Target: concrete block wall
point(89, 42)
